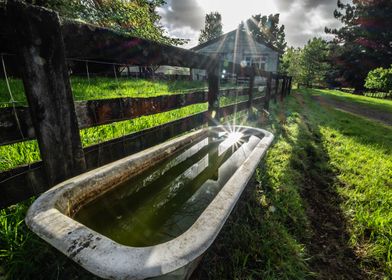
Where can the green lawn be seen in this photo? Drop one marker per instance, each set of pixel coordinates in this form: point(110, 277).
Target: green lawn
point(320, 206)
point(99, 88)
point(376, 103)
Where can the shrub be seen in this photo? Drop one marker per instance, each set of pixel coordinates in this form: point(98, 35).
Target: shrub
point(379, 79)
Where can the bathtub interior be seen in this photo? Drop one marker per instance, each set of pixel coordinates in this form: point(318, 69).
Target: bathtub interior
point(161, 202)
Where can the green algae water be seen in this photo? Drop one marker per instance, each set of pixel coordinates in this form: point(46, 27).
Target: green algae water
point(164, 201)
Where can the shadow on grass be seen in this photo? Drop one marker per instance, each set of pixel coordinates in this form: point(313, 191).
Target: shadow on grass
point(330, 255)
point(289, 226)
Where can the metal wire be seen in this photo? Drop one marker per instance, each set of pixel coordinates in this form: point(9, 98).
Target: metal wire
point(6, 80)
point(88, 73)
point(96, 61)
point(115, 73)
point(12, 100)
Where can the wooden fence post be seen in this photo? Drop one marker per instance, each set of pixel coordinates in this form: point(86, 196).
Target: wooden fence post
point(289, 89)
point(284, 80)
point(276, 87)
point(287, 85)
point(48, 90)
point(282, 89)
point(268, 91)
point(213, 95)
point(250, 90)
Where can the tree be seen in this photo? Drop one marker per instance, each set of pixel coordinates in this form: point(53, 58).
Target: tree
point(379, 79)
point(364, 41)
point(290, 63)
point(308, 66)
point(133, 17)
point(267, 28)
point(313, 62)
point(212, 27)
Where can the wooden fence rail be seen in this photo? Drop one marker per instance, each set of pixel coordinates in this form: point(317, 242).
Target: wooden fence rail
point(53, 118)
point(104, 111)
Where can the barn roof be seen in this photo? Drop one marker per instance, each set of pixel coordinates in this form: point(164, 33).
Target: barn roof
point(224, 36)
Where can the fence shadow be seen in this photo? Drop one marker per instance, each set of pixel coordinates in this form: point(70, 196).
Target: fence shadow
point(331, 256)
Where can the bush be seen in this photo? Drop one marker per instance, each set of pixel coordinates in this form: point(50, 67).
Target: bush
point(379, 79)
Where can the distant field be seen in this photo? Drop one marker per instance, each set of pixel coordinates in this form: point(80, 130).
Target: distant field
point(100, 88)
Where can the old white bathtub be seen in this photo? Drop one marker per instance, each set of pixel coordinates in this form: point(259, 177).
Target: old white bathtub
point(202, 173)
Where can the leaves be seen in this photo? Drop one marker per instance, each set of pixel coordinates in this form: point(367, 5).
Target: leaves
point(267, 29)
point(212, 27)
point(364, 41)
point(309, 65)
point(134, 17)
point(379, 79)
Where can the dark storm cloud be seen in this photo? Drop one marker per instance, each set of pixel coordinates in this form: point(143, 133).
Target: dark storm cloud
point(305, 19)
point(179, 14)
point(285, 5)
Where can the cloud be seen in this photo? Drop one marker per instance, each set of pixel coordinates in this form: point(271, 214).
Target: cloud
point(305, 19)
point(285, 5)
point(185, 33)
point(179, 14)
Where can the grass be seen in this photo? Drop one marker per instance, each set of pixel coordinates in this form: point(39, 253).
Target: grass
point(99, 88)
point(320, 205)
point(322, 201)
point(28, 152)
point(375, 103)
point(24, 256)
point(102, 88)
point(360, 153)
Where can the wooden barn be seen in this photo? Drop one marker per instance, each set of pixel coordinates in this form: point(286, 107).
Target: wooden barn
point(239, 47)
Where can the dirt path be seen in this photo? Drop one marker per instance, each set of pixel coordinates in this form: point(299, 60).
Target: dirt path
point(357, 109)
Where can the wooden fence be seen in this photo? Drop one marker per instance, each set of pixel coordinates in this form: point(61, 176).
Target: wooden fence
point(43, 43)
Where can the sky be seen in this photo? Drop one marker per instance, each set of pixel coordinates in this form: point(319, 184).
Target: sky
point(303, 19)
